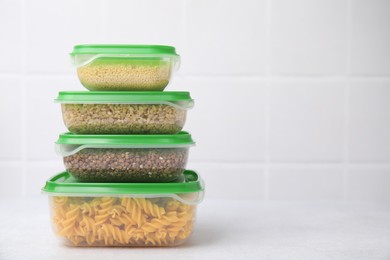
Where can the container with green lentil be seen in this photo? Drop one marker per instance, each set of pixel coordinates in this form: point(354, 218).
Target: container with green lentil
point(109, 67)
point(124, 158)
point(125, 112)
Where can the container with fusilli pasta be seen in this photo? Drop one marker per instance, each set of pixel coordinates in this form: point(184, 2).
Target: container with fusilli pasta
point(124, 214)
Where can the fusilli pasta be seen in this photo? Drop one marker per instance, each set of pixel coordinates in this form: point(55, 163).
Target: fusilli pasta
point(110, 221)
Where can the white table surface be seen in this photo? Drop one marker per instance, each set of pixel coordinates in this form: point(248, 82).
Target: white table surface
point(224, 230)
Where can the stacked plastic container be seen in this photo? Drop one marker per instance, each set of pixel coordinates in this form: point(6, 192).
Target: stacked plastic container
point(125, 154)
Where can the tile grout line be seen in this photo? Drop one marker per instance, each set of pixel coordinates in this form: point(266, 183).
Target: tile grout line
point(249, 164)
point(103, 15)
point(183, 37)
point(184, 26)
point(23, 97)
point(183, 41)
point(267, 143)
point(221, 76)
point(266, 184)
point(346, 144)
point(287, 77)
point(340, 164)
point(347, 105)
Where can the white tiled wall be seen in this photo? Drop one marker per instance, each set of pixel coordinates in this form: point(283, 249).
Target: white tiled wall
point(313, 32)
point(306, 120)
point(226, 38)
point(369, 39)
point(292, 97)
point(306, 182)
point(369, 131)
point(11, 119)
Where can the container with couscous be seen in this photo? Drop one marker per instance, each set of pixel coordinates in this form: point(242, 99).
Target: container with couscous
point(125, 67)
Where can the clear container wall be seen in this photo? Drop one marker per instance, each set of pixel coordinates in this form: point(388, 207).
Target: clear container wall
point(121, 221)
point(126, 73)
point(123, 118)
point(127, 164)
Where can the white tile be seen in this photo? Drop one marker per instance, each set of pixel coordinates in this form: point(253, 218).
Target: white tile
point(52, 33)
point(306, 183)
point(44, 117)
point(308, 37)
point(11, 179)
point(11, 35)
point(144, 22)
point(10, 118)
point(177, 83)
point(226, 37)
point(231, 181)
point(306, 120)
point(370, 37)
point(37, 173)
point(228, 120)
point(369, 125)
point(369, 183)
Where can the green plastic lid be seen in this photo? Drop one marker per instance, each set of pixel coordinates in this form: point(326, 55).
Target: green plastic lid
point(65, 184)
point(178, 98)
point(123, 49)
point(180, 139)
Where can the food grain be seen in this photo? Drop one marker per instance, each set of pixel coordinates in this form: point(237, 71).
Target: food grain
point(122, 221)
point(123, 118)
point(127, 165)
point(122, 75)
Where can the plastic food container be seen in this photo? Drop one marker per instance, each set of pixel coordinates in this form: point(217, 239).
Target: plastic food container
point(104, 112)
point(123, 214)
point(125, 67)
point(124, 158)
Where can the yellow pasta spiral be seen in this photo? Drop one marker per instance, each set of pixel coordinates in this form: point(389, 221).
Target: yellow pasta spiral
point(109, 221)
point(149, 208)
point(69, 223)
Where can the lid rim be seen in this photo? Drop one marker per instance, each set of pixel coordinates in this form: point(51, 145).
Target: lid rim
point(181, 138)
point(58, 185)
point(123, 49)
point(123, 96)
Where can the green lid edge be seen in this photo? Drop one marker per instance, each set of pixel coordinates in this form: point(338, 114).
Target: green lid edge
point(193, 183)
point(122, 96)
point(123, 49)
point(181, 138)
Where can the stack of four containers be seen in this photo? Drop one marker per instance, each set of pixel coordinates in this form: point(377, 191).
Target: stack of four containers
point(125, 155)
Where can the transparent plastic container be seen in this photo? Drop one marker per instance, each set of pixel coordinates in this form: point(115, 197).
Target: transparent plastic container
point(102, 112)
point(123, 214)
point(125, 158)
point(125, 67)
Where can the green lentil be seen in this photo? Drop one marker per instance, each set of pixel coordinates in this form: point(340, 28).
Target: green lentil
point(127, 165)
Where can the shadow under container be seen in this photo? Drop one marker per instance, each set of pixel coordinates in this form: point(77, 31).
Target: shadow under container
point(124, 158)
point(137, 112)
point(123, 214)
point(125, 67)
